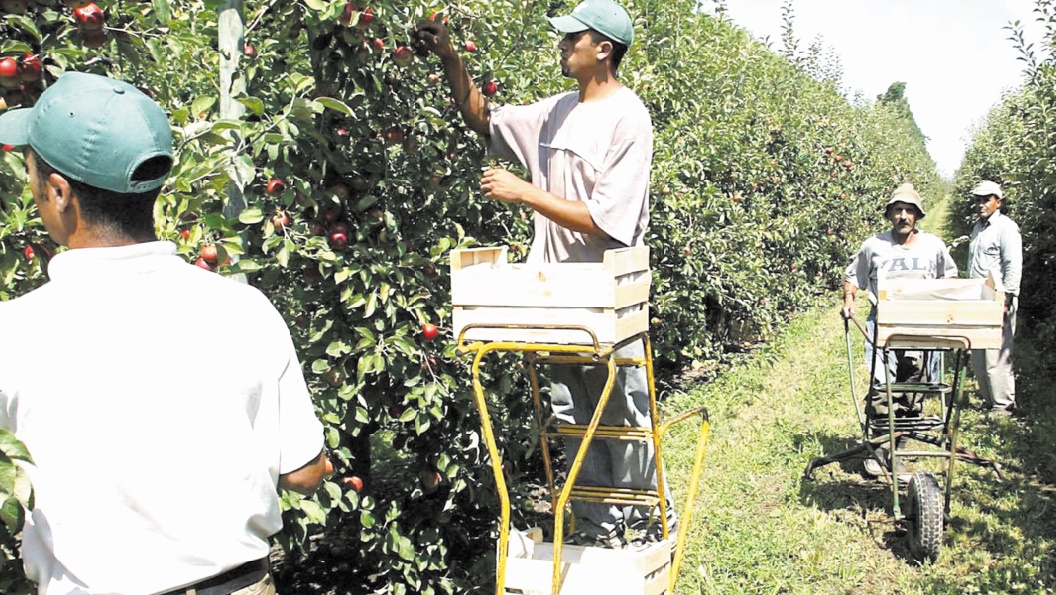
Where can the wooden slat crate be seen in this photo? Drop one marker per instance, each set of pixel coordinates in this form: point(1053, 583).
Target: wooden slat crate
point(930, 308)
point(586, 570)
point(611, 297)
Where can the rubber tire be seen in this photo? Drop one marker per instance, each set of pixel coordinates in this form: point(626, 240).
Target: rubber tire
point(924, 511)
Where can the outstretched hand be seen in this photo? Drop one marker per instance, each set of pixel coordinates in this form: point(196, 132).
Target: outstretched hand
point(432, 35)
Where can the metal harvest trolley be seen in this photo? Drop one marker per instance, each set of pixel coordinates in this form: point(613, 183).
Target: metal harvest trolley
point(570, 314)
point(937, 316)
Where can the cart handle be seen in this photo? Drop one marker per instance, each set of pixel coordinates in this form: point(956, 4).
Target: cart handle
point(702, 411)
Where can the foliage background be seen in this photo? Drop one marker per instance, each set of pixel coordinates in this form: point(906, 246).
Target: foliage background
point(766, 176)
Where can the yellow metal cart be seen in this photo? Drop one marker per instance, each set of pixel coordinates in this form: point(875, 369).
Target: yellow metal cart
point(608, 300)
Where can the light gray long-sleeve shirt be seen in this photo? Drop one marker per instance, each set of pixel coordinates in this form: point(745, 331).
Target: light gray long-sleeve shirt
point(997, 246)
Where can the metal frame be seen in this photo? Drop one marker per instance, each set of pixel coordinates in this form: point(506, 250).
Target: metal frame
point(920, 429)
point(590, 352)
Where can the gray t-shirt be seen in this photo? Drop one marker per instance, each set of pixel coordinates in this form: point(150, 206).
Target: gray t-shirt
point(597, 152)
point(881, 257)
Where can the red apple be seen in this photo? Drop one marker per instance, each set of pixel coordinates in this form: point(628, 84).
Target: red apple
point(276, 187)
point(338, 240)
point(6, 148)
point(200, 263)
point(490, 88)
point(89, 17)
point(185, 233)
point(208, 253)
point(9, 73)
point(403, 56)
point(848, 164)
point(331, 215)
point(429, 331)
point(354, 482)
point(339, 227)
point(430, 480)
point(31, 68)
point(471, 47)
point(365, 18)
point(394, 136)
point(249, 50)
point(379, 43)
point(29, 253)
point(433, 78)
point(334, 376)
point(281, 220)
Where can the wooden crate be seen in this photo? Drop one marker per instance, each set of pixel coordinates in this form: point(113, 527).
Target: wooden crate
point(610, 297)
point(586, 570)
point(935, 308)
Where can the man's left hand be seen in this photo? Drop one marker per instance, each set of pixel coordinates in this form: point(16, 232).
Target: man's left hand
point(500, 184)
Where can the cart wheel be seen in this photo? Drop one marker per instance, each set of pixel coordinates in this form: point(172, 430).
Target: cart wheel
point(924, 513)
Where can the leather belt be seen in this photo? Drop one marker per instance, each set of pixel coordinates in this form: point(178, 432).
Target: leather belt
point(229, 581)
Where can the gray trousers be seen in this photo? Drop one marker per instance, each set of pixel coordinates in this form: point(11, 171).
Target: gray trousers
point(903, 366)
point(993, 367)
point(574, 394)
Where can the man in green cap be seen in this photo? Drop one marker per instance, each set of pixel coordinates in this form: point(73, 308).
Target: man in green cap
point(153, 472)
point(902, 252)
point(589, 155)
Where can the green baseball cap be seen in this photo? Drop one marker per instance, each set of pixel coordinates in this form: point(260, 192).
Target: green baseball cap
point(94, 129)
point(604, 16)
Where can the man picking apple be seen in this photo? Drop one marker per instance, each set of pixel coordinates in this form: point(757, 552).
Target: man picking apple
point(156, 470)
point(589, 153)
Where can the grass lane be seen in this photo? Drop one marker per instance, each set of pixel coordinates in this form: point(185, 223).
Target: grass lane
point(760, 528)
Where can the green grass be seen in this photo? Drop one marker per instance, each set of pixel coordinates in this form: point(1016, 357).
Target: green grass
point(759, 527)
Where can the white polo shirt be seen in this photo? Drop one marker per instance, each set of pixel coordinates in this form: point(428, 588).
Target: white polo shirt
point(160, 403)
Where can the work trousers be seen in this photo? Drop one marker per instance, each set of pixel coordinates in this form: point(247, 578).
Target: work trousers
point(574, 394)
point(903, 366)
point(993, 367)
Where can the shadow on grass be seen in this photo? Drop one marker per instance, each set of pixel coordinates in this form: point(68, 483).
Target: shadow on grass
point(1001, 537)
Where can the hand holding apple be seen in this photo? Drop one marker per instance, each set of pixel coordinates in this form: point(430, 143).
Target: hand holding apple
point(434, 37)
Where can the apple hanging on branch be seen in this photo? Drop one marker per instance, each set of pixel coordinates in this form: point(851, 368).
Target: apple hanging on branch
point(429, 331)
point(403, 56)
point(89, 17)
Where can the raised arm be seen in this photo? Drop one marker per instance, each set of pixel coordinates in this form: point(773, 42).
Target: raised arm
point(471, 102)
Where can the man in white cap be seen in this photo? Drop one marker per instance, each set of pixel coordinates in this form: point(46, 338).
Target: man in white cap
point(903, 252)
point(153, 471)
point(997, 247)
point(589, 154)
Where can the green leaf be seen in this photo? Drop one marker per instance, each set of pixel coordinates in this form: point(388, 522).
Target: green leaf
point(316, 4)
point(13, 447)
point(367, 519)
point(253, 104)
point(161, 11)
point(251, 215)
point(11, 513)
point(201, 105)
point(242, 170)
point(334, 104)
